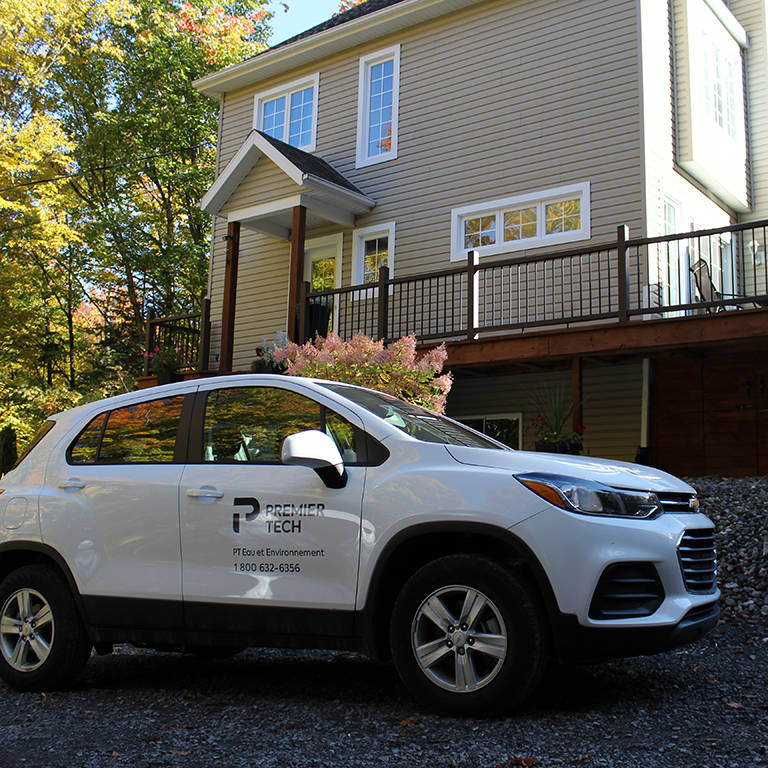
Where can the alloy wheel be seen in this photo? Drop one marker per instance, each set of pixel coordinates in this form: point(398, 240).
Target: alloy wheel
point(459, 638)
point(26, 630)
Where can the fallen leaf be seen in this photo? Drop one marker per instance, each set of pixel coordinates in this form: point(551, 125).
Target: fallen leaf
point(735, 705)
point(527, 762)
point(115, 754)
point(410, 720)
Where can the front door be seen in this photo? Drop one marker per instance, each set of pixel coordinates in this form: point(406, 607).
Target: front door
point(260, 538)
point(322, 270)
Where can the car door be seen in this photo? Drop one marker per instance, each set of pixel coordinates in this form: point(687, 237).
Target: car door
point(262, 542)
point(111, 508)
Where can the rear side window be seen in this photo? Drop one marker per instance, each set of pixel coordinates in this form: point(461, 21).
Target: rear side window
point(141, 433)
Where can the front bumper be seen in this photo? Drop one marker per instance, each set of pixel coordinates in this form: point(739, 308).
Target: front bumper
point(574, 642)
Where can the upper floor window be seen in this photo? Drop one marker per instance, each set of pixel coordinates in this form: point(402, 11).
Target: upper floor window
point(377, 106)
point(374, 248)
point(524, 221)
point(711, 118)
point(289, 113)
point(721, 81)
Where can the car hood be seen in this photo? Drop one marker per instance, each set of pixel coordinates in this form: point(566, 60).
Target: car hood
point(619, 474)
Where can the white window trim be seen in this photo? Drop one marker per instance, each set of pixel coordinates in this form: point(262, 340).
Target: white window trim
point(367, 233)
point(540, 198)
point(366, 62)
point(286, 90)
point(518, 415)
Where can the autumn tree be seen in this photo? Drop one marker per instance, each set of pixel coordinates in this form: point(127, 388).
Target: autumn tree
point(97, 95)
point(345, 5)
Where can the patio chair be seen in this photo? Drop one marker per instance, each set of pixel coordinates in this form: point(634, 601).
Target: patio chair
point(702, 277)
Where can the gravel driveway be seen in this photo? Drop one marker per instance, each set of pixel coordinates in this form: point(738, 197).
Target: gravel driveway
point(703, 705)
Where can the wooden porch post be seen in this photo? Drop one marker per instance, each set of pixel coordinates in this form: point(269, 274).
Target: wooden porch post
point(577, 392)
point(230, 296)
point(298, 236)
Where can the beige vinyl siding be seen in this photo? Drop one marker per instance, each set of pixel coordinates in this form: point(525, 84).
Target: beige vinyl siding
point(506, 98)
point(265, 183)
point(611, 407)
point(612, 410)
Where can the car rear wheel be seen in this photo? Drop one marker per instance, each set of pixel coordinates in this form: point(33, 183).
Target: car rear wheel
point(468, 636)
point(43, 644)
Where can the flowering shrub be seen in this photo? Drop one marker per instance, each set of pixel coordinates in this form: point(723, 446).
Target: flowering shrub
point(395, 369)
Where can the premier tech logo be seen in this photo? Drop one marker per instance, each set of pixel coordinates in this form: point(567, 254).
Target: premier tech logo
point(280, 518)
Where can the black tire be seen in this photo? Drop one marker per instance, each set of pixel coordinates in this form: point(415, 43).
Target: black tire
point(510, 626)
point(25, 664)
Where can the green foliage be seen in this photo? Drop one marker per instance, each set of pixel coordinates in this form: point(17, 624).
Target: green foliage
point(98, 84)
point(8, 452)
point(396, 369)
point(554, 411)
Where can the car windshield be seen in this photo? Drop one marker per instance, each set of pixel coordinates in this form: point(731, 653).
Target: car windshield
point(414, 421)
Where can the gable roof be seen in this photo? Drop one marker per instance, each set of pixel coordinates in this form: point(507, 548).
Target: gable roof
point(356, 27)
point(326, 194)
point(300, 167)
point(310, 165)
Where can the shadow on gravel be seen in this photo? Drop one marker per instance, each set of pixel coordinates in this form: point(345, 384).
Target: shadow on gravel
point(264, 675)
point(321, 677)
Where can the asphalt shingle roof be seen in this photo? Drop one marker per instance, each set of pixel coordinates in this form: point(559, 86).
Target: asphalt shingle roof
point(315, 166)
point(340, 18)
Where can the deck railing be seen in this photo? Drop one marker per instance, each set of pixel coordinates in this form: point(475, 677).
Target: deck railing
point(186, 335)
point(714, 270)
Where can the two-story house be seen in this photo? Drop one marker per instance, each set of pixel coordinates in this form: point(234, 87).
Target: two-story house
point(539, 178)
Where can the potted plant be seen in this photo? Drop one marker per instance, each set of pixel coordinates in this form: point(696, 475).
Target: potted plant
point(166, 363)
point(553, 423)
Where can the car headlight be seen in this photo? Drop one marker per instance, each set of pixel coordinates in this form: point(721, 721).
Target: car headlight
point(591, 498)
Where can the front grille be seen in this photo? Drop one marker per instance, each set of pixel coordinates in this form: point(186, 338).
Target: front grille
point(676, 502)
point(627, 591)
point(698, 562)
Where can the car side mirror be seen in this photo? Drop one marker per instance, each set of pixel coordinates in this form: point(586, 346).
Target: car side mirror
point(313, 448)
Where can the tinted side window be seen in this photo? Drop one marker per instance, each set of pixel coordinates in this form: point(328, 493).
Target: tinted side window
point(250, 423)
point(85, 449)
point(141, 433)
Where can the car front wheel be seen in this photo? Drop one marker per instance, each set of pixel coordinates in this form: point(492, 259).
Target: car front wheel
point(43, 644)
point(467, 636)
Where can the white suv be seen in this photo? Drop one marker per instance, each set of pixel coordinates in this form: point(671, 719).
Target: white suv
point(275, 511)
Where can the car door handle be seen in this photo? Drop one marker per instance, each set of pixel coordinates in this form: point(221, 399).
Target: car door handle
point(72, 482)
point(205, 493)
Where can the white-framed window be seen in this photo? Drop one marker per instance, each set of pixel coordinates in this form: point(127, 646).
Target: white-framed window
point(374, 247)
point(721, 81)
point(531, 220)
point(507, 428)
point(289, 113)
point(378, 96)
point(711, 120)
